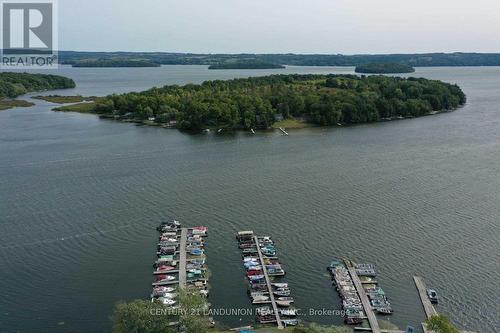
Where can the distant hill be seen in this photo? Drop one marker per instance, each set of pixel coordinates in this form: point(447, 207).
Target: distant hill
point(113, 63)
point(415, 60)
point(245, 65)
point(384, 68)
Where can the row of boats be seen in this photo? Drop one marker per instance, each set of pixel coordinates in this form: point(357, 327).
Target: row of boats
point(262, 271)
point(351, 301)
point(166, 268)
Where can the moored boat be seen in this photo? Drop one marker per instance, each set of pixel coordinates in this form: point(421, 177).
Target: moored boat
point(433, 296)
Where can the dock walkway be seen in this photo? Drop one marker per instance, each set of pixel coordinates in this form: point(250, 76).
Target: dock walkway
point(375, 328)
point(269, 287)
point(182, 258)
point(422, 292)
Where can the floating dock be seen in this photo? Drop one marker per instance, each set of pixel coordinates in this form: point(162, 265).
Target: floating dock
point(262, 266)
point(180, 263)
point(422, 292)
point(269, 287)
point(372, 319)
point(182, 258)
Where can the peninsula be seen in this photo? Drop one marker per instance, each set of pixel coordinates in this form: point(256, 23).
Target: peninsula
point(13, 84)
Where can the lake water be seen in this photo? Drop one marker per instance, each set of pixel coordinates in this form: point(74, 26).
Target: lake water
point(80, 198)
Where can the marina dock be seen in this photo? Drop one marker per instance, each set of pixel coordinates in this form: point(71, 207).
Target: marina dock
point(180, 263)
point(182, 258)
point(422, 292)
point(372, 319)
point(264, 272)
point(269, 287)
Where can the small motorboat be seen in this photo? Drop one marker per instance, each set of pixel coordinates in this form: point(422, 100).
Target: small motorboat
point(196, 252)
point(387, 310)
point(288, 312)
point(284, 303)
point(161, 289)
point(353, 320)
point(288, 299)
point(260, 298)
point(280, 285)
point(264, 311)
point(255, 268)
point(433, 296)
point(282, 292)
point(165, 278)
point(366, 272)
point(169, 295)
point(167, 301)
point(164, 268)
point(290, 322)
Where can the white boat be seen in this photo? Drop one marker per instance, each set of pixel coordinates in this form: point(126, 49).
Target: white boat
point(284, 303)
point(288, 312)
point(280, 285)
point(167, 301)
point(260, 298)
point(164, 289)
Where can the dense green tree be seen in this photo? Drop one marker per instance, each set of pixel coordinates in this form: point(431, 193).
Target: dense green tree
point(440, 324)
point(14, 84)
point(254, 102)
point(142, 316)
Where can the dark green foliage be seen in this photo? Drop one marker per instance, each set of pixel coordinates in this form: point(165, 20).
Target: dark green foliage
point(13, 84)
point(114, 63)
point(440, 324)
point(142, 316)
point(252, 64)
point(384, 68)
point(254, 102)
point(428, 59)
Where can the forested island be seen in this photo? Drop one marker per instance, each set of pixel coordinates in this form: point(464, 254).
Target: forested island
point(245, 65)
point(14, 84)
point(165, 58)
point(114, 63)
point(384, 68)
point(258, 102)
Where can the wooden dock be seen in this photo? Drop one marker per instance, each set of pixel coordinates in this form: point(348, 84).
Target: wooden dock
point(372, 319)
point(269, 287)
point(182, 258)
point(283, 131)
point(422, 292)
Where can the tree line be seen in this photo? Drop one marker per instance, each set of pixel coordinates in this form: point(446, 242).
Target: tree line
point(13, 84)
point(384, 68)
point(164, 58)
point(255, 102)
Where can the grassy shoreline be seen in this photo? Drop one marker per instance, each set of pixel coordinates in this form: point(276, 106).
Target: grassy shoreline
point(58, 99)
point(7, 104)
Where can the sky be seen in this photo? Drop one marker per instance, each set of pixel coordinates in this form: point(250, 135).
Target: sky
point(280, 26)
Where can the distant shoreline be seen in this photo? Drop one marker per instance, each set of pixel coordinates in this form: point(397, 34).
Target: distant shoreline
point(458, 59)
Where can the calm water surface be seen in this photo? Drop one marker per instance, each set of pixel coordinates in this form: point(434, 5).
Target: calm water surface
point(80, 198)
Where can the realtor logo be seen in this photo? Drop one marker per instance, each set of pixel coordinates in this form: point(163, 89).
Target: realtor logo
point(29, 37)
